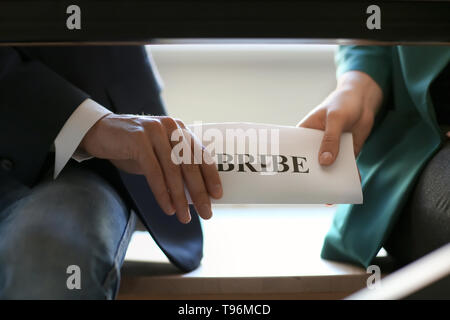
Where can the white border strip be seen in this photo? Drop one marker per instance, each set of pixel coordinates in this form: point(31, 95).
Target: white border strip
point(410, 278)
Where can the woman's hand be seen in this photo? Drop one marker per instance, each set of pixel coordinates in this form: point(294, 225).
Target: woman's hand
point(351, 107)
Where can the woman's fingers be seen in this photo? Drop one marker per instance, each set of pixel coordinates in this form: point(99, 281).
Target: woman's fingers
point(332, 122)
point(361, 131)
point(329, 147)
point(314, 120)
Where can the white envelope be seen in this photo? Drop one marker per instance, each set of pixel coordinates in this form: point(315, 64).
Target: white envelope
point(285, 167)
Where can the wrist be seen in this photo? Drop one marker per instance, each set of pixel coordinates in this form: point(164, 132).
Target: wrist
point(363, 86)
point(83, 146)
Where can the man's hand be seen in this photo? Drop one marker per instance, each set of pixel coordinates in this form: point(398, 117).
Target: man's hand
point(142, 145)
point(350, 107)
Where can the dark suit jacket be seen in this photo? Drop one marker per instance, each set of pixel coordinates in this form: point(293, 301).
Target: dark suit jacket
point(40, 87)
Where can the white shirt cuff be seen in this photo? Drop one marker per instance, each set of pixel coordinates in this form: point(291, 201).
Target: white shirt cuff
point(73, 131)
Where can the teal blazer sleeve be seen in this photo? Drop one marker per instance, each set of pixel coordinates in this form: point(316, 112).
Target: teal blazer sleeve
point(397, 149)
point(376, 61)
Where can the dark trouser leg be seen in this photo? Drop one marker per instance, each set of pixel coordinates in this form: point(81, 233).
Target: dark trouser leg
point(77, 219)
point(424, 224)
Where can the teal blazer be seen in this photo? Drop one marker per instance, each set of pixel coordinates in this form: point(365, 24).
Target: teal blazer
point(405, 136)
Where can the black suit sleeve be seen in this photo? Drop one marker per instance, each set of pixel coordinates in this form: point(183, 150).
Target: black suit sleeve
point(35, 102)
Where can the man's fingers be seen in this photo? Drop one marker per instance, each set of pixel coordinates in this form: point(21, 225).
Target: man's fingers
point(172, 171)
point(197, 190)
point(195, 182)
point(329, 147)
point(156, 181)
point(180, 158)
point(212, 180)
point(191, 173)
point(207, 167)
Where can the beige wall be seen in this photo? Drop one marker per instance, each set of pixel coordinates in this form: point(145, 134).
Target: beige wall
point(275, 84)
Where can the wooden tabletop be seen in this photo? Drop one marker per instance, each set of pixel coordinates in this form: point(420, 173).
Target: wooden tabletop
point(250, 252)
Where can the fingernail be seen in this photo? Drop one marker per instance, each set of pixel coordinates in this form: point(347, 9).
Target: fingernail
point(188, 216)
point(205, 210)
point(217, 189)
point(170, 210)
point(326, 158)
